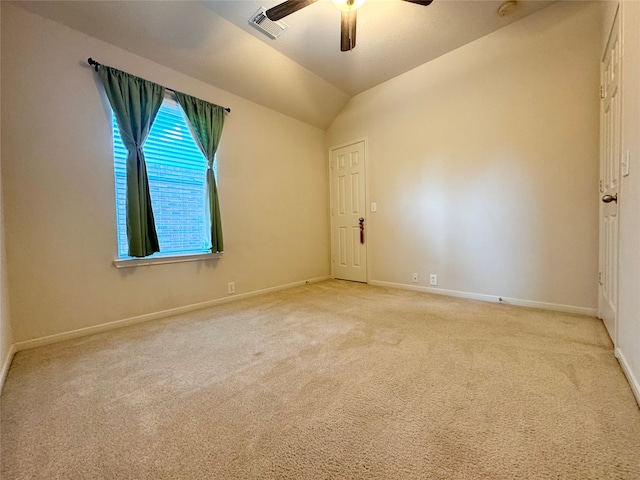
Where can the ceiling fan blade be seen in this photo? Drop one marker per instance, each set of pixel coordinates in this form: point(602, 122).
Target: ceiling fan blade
point(420, 2)
point(348, 30)
point(287, 8)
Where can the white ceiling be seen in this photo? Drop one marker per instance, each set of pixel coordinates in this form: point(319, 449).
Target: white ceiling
point(302, 74)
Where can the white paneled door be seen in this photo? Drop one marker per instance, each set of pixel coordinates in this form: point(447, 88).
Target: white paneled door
point(348, 208)
point(610, 158)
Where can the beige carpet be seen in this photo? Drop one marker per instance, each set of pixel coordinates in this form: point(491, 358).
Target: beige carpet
point(328, 381)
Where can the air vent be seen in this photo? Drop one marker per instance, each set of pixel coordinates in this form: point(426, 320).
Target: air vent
point(268, 27)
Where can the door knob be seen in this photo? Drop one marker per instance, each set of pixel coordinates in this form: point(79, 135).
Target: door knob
point(610, 198)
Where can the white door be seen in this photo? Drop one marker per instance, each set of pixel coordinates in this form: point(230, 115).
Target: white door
point(610, 157)
point(348, 220)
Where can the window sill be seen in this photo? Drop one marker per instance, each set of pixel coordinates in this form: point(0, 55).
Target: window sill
point(143, 262)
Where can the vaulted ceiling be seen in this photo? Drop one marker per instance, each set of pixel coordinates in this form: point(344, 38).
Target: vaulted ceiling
point(302, 74)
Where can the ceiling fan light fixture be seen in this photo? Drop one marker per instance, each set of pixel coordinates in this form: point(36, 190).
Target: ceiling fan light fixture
point(507, 8)
point(348, 5)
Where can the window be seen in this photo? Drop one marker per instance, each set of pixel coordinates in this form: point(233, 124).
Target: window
point(177, 171)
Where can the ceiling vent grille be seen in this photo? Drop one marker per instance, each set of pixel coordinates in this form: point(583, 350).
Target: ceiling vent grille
point(270, 28)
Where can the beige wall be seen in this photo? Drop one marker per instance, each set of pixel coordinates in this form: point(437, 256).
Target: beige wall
point(6, 337)
point(628, 337)
point(484, 163)
point(59, 192)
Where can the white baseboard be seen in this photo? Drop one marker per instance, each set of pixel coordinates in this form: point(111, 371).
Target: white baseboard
point(6, 363)
point(491, 298)
point(626, 368)
point(81, 332)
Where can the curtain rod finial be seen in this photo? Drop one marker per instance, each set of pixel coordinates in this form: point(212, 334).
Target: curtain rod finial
point(93, 63)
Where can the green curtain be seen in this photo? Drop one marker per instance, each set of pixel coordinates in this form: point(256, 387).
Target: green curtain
point(206, 121)
point(135, 103)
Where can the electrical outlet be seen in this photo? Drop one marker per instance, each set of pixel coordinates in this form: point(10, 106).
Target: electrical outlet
point(231, 288)
point(433, 279)
point(415, 278)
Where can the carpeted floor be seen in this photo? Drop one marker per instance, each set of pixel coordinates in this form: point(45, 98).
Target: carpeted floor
point(334, 380)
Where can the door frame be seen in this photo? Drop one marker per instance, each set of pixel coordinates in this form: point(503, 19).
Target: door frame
point(367, 206)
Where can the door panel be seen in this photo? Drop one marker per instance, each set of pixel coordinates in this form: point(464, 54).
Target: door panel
point(342, 246)
point(357, 251)
point(355, 193)
point(349, 254)
point(610, 157)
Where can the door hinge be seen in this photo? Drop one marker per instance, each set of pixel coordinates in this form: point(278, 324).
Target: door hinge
point(331, 164)
point(600, 278)
point(602, 92)
point(600, 186)
point(332, 212)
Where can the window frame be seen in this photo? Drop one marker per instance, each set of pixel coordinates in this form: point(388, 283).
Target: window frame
point(127, 262)
point(157, 258)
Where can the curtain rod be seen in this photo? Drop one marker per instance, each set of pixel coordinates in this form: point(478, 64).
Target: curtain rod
point(95, 65)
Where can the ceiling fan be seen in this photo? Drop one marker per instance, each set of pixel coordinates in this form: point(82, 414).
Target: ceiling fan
point(348, 19)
